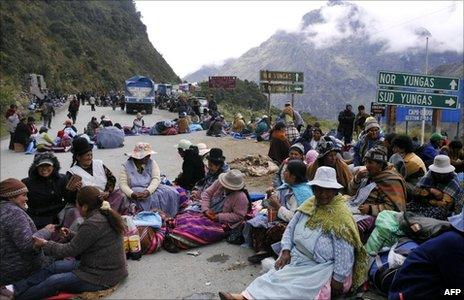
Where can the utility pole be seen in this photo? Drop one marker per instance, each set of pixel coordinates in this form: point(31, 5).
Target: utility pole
point(426, 73)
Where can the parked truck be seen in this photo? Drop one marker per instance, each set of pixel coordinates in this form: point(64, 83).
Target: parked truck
point(139, 94)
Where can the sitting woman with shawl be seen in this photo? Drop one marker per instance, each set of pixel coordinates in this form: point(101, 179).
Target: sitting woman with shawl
point(216, 166)
point(263, 230)
point(322, 255)
point(328, 156)
point(86, 171)
point(140, 182)
point(278, 150)
point(296, 152)
point(223, 208)
point(413, 164)
point(437, 193)
point(376, 188)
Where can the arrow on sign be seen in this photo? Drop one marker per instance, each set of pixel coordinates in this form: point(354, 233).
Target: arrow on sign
point(453, 85)
point(297, 88)
point(450, 101)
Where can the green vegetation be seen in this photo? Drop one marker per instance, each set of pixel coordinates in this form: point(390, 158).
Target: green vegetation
point(77, 45)
point(246, 95)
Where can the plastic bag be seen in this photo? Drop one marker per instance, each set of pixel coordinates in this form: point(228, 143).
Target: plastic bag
point(386, 232)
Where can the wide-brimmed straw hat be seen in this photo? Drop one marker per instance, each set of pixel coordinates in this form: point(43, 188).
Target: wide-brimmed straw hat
point(326, 177)
point(141, 150)
point(442, 165)
point(232, 180)
point(183, 144)
point(202, 149)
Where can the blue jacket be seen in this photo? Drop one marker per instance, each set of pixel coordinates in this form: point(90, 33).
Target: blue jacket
point(429, 153)
point(430, 269)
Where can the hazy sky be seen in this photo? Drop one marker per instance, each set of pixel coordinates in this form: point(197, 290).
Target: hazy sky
point(190, 34)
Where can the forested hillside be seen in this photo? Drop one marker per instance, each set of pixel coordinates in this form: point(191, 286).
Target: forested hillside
point(77, 45)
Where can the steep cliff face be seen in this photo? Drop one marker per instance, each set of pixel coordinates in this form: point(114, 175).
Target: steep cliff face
point(344, 72)
point(78, 45)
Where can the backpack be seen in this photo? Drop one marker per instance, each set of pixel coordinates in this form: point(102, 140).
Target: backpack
point(420, 228)
point(380, 273)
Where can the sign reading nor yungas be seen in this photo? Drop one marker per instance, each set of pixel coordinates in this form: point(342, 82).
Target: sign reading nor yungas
point(418, 81)
point(281, 76)
point(225, 82)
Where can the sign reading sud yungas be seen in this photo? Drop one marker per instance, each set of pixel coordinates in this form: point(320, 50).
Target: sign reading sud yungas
point(281, 88)
point(225, 82)
point(281, 76)
point(416, 99)
point(418, 81)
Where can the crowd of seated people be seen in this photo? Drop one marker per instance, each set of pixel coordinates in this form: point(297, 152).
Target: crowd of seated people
point(315, 219)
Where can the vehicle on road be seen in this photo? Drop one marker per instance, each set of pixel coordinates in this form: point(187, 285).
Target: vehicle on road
point(139, 94)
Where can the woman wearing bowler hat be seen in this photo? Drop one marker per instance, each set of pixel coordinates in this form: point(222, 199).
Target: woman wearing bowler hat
point(86, 171)
point(216, 166)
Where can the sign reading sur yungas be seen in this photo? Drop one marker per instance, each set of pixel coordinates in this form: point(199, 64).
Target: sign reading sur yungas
point(225, 82)
point(418, 81)
point(391, 97)
point(281, 88)
point(282, 76)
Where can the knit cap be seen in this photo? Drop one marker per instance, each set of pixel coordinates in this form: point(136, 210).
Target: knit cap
point(371, 123)
point(377, 153)
point(12, 187)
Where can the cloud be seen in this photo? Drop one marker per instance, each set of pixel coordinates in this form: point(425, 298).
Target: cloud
point(399, 25)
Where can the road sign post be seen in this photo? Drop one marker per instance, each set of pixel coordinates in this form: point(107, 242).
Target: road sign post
point(281, 82)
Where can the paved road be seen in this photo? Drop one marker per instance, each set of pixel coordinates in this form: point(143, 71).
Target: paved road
point(161, 275)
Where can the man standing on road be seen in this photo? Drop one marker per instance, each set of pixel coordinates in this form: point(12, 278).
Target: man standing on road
point(360, 119)
point(73, 109)
point(47, 112)
point(92, 103)
point(12, 120)
point(345, 124)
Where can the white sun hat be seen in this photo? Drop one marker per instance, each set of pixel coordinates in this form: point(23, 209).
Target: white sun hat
point(141, 150)
point(183, 144)
point(202, 149)
point(326, 177)
point(442, 165)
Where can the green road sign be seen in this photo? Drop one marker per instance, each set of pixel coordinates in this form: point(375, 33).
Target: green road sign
point(418, 81)
point(427, 100)
point(281, 76)
point(281, 88)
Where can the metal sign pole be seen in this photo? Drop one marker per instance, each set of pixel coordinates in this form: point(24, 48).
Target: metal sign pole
point(426, 72)
point(269, 97)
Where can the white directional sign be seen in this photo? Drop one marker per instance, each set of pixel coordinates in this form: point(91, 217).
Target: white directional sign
point(432, 82)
